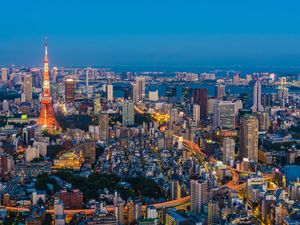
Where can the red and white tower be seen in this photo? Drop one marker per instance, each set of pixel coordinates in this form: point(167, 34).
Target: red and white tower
point(47, 119)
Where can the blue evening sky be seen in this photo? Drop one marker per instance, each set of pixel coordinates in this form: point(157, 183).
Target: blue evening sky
point(151, 32)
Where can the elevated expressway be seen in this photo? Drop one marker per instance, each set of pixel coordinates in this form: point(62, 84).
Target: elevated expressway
point(190, 146)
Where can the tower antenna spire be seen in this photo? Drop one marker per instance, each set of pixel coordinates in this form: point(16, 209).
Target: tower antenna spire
point(46, 48)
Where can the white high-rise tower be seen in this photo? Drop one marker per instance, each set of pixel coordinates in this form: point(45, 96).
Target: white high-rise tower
point(257, 107)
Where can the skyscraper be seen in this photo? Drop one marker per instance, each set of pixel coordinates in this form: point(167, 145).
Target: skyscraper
point(257, 107)
point(27, 87)
point(87, 71)
point(199, 194)
point(97, 104)
point(196, 113)
point(249, 138)
point(127, 93)
point(200, 97)
point(135, 90)
point(141, 85)
point(171, 93)
point(224, 115)
point(47, 119)
point(283, 91)
point(175, 189)
point(103, 127)
point(172, 118)
point(54, 74)
point(263, 121)
point(110, 92)
point(128, 113)
point(228, 151)
point(187, 94)
point(4, 74)
point(219, 91)
point(69, 90)
point(267, 100)
point(213, 212)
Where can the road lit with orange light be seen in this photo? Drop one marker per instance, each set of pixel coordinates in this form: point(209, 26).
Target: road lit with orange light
point(160, 118)
point(189, 145)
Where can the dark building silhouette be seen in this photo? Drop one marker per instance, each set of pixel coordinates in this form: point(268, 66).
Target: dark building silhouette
point(69, 90)
point(200, 97)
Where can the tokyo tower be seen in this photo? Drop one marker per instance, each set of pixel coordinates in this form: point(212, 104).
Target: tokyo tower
point(47, 120)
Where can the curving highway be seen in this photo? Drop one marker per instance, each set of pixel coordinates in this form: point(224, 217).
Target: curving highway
point(189, 145)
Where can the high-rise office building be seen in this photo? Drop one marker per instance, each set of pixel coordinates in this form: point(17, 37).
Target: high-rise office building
point(187, 94)
point(249, 138)
point(141, 85)
point(196, 113)
point(283, 91)
point(267, 100)
point(103, 127)
point(87, 71)
point(263, 121)
point(4, 74)
point(238, 106)
point(127, 93)
point(199, 194)
point(128, 113)
point(175, 189)
point(224, 115)
point(171, 93)
point(173, 117)
point(257, 107)
point(200, 97)
point(219, 91)
point(228, 147)
point(213, 212)
point(69, 90)
point(97, 104)
point(54, 74)
point(168, 138)
point(110, 92)
point(27, 87)
point(135, 90)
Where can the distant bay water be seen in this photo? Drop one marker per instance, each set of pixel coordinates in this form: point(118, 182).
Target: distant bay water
point(119, 89)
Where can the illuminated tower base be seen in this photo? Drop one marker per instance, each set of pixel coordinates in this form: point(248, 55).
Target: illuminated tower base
point(47, 120)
